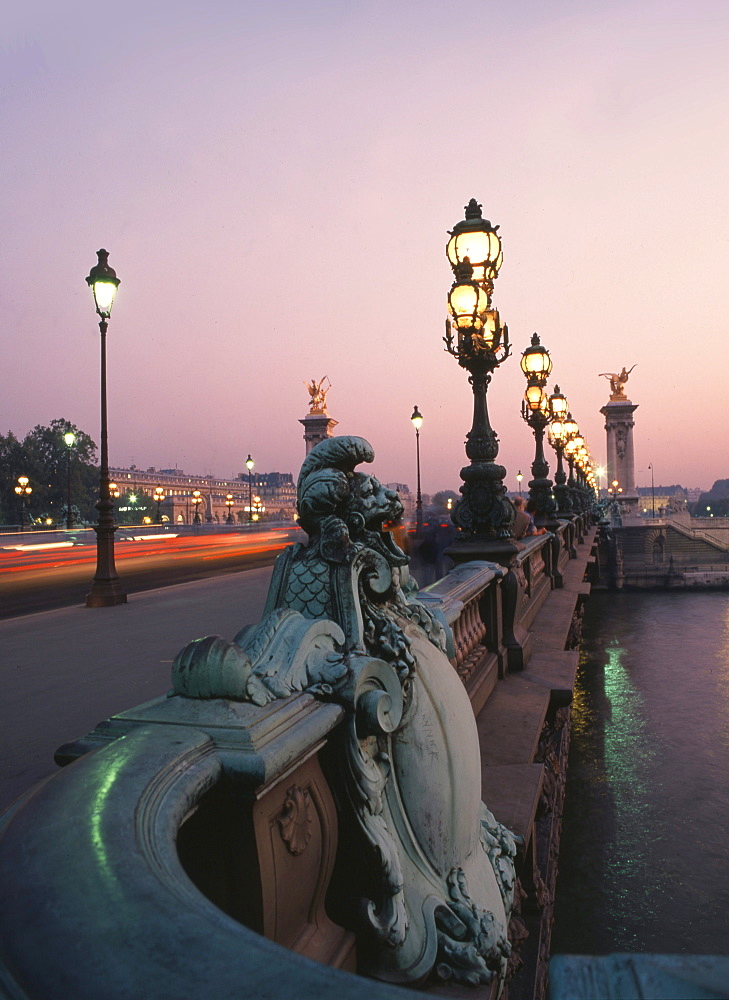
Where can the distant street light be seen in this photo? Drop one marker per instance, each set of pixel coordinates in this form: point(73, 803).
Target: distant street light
point(653, 489)
point(23, 490)
point(249, 466)
point(106, 588)
point(417, 422)
point(257, 508)
point(196, 500)
point(159, 495)
point(519, 477)
point(537, 412)
point(615, 489)
point(229, 504)
point(70, 438)
point(557, 438)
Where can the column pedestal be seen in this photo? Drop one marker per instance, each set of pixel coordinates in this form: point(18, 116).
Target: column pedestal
point(619, 426)
point(317, 427)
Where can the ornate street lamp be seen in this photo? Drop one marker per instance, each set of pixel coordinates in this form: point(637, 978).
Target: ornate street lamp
point(114, 491)
point(159, 496)
point(257, 508)
point(417, 422)
point(476, 338)
point(519, 477)
point(23, 489)
point(106, 588)
point(196, 501)
point(70, 439)
point(536, 411)
point(570, 432)
point(249, 466)
point(229, 504)
point(557, 437)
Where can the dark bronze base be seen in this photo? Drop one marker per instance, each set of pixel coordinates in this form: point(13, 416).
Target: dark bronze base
point(498, 550)
point(105, 595)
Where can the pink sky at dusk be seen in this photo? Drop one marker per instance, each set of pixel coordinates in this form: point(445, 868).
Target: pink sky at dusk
point(274, 184)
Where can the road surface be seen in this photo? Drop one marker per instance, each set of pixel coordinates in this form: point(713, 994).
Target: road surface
point(37, 576)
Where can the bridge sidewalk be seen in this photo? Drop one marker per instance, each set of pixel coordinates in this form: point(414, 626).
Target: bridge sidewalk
point(511, 722)
point(63, 671)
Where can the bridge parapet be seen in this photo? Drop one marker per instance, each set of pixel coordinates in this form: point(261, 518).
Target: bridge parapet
point(204, 833)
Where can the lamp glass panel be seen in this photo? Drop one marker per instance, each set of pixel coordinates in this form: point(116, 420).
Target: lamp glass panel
point(559, 406)
point(417, 422)
point(467, 301)
point(536, 362)
point(534, 396)
point(483, 250)
point(492, 327)
point(104, 292)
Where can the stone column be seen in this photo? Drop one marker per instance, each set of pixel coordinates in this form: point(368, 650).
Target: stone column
point(619, 426)
point(317, 427)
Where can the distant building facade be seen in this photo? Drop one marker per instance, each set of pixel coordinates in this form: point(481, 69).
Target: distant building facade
point(276, 493)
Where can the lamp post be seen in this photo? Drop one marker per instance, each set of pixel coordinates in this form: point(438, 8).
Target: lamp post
point(106, 588)
point(196, 501)
point(23, 489)
point(519, 477)
point(557, 437)
point(476, 338)
point(536, 411)
point(70, 439)
point(159, 495)
point(249, 466)
point(653, 490)
point(417, 422)
point(229, 504)
point(257, 508)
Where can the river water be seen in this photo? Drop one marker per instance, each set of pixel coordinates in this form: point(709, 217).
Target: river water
point(644, 858)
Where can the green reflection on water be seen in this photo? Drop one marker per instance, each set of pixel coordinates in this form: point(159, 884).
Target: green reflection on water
point(627, 758)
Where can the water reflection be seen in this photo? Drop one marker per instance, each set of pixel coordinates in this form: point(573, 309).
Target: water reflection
point(643, 865)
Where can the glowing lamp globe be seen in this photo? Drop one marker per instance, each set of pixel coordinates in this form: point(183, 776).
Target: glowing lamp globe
point(558, 404)
point(535, 361)
point(476, 240)
point(467, 301)
point(103, 282)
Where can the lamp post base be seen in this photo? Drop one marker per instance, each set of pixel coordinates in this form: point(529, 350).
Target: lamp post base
point(105, 595)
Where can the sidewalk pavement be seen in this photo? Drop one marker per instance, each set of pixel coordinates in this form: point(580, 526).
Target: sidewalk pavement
point(64, 671)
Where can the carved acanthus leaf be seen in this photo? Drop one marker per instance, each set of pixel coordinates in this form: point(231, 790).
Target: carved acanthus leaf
point(295, 820)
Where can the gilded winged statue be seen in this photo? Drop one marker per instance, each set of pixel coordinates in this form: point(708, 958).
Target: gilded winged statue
point(617, 381)
point(318, 394)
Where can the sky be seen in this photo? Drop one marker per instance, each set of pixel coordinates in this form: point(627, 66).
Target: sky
point(275, 184)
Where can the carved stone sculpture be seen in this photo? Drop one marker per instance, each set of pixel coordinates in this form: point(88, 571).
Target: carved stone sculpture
point(436, 879)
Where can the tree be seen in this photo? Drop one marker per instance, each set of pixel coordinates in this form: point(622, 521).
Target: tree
point(133, 506)
point(43, 457)
point(439, 501)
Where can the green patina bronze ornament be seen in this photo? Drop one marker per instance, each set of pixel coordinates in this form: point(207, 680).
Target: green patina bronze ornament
point(438, 868)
